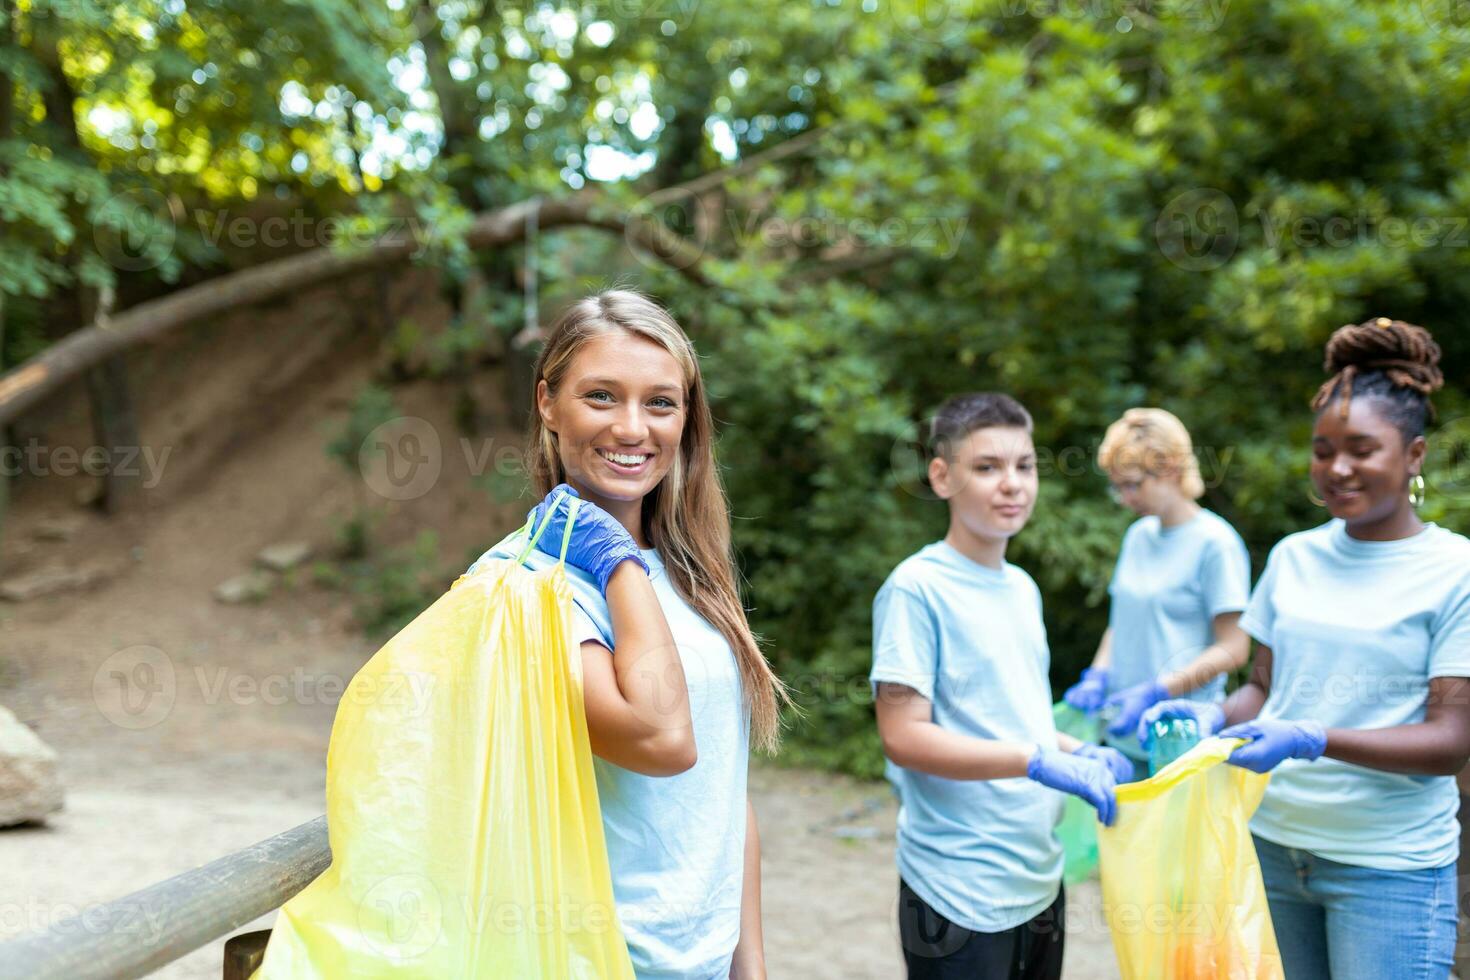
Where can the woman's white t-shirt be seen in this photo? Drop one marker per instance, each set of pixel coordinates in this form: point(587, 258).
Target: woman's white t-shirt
point(1357, 629)
point(676, 844)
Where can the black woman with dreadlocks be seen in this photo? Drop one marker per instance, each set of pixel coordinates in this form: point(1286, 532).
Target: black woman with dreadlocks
point(1358, 700)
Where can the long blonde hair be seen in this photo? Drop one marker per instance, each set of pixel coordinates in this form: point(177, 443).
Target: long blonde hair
point(686, 517)
point(1155, 441)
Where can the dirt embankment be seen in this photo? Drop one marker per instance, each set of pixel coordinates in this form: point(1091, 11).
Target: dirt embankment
point(224, 744)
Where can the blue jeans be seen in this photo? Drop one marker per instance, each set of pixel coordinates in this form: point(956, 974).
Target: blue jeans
point(1344, 922)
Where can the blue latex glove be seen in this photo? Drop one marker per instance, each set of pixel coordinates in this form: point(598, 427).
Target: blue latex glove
point(1129, 704)
point(1066, 771)
point(1090, 692)
point(599, 543)
point(1120, 765)
point(1271, 742)
point(1209, 717)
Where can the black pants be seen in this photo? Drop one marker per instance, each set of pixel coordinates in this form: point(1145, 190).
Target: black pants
point(936, 949)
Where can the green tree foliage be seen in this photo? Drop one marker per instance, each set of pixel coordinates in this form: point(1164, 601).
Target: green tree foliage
point(1090, 204)
point(1158, 207)
point(123, 119)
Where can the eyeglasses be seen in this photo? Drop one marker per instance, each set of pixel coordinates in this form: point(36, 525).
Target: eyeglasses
point(1120, 487)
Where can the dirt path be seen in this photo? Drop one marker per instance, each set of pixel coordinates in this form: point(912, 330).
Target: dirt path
point(829, 899)
point(236, 752)
point(225, 768)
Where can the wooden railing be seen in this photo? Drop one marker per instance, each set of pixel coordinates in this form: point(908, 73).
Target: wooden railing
point(181, 914)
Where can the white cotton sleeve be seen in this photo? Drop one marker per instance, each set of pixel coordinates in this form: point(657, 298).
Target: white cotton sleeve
point(905, 641)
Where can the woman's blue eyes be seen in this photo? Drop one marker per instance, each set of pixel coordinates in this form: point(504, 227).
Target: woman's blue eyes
point(604, 397)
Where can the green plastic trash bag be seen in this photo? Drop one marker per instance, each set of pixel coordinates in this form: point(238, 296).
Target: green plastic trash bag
point(1077, 829)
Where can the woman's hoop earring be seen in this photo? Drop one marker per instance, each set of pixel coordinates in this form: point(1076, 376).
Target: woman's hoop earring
point(1314, 498)
point(1416, 491)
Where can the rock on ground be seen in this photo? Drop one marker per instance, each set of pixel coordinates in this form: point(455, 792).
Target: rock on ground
point(30, 788)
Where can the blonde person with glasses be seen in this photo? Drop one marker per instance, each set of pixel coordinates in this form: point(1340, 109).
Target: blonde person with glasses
point(1180, 585)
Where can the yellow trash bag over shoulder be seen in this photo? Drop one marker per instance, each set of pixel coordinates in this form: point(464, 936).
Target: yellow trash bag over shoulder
point(461, 803)
point(1181, 883)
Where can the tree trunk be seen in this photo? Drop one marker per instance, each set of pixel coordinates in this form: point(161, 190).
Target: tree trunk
point(4, 429)
point(7, 95)
point(467, 296)
point(7, 87)
point(114, 424)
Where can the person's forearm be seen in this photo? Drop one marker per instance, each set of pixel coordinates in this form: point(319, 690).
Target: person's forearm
point(1216, 660)
point(1104, 655)
point(1231, 649)
point(927, 748)
point(1421, 749)
point(1068, 743)
point(1244, 704)
point(750, 951)
point(650, 675)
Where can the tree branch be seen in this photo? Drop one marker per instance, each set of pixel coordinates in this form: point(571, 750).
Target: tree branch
point(27, 383)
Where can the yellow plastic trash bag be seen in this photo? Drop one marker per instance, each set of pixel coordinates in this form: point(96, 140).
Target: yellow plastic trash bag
point(1181, 884)
point(461, 804)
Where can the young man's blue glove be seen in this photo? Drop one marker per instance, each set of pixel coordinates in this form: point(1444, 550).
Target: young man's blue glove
point(1132, 702)
point(1090, 692)
point(599, 543)
point(1080, 776)
point(1120, 765)
point(1208, 716)
point(1272, 741)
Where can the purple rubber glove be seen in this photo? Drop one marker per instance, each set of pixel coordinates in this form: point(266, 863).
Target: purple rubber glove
point(1273, 741)
point(1090, 692)
point(1070, 773)
point(1209, 717)
point(1130, 703)
point(1120, 764)
point(599, 543)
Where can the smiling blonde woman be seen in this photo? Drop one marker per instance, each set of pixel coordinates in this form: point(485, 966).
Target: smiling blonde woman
point(674, 684)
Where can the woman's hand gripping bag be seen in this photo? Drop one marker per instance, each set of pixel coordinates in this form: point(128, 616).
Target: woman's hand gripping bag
point(461, 804)
point(1181, 884)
